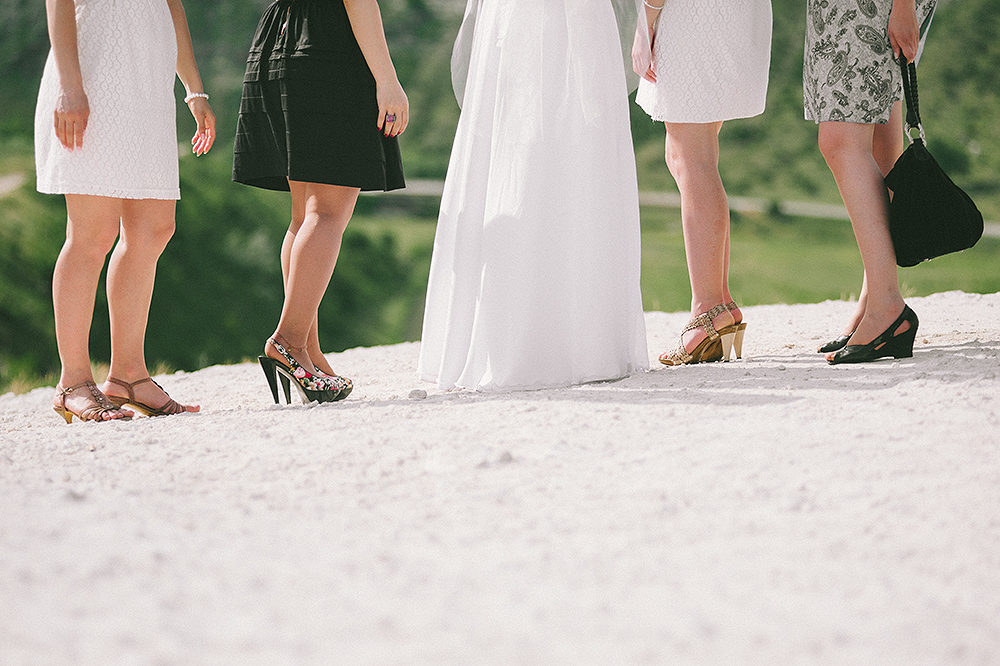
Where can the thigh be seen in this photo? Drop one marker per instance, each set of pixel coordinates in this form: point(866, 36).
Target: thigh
point(334, 201)
point(843, 136)
point(92, 219)
point(693, 143)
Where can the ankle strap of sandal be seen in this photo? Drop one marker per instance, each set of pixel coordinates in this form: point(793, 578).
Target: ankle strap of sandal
point(99, 397)
point(128, 387)
point(704, 320)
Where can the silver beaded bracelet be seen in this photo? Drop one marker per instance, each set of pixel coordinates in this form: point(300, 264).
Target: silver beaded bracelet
point(191, 96)
point(653, 6)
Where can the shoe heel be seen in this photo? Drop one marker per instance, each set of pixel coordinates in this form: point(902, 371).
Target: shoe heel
point(270, 371)
point(286, 385)
point(312, 388)
point(65, 414)
point(738, 340)
point(727, 344)
point(901, 346)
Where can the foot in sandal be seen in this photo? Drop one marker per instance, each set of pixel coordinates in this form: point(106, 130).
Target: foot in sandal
point(145, 394)
point(86, 402)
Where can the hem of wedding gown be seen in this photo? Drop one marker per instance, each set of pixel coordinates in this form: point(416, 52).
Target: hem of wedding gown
point(494, 388)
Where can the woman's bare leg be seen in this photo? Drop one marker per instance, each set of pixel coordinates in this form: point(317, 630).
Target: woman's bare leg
point(692, 154)
point(848, 150)
point(887, 146)
point(298, 215)
point(91, 228)
point(309, 255)
point(146, 227)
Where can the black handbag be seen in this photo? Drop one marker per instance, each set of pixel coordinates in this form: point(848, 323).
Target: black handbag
point(929, 215)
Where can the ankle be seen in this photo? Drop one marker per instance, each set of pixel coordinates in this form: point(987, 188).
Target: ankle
point(67, 380)
point(128, 371)
point(287, 344)
point(721, 316)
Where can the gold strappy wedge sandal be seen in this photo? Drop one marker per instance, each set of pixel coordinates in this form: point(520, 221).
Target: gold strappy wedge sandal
point(712, 348)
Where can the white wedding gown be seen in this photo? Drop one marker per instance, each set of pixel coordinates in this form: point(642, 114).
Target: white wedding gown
point(534, 279)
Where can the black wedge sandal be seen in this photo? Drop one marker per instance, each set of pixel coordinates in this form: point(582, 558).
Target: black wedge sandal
point(889, 343)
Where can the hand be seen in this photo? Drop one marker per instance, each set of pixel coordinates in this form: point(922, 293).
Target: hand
point(904, 31)
point(392, 103)
point(204, 136)
point(642, 61)
point(71, 116)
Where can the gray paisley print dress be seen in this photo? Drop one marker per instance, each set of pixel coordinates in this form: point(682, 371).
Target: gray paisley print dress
point(849, 74)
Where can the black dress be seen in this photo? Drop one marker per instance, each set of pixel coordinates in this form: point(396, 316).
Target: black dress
point(309, 110)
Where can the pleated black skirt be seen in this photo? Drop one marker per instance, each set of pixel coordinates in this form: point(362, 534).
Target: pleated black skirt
point(309, 111)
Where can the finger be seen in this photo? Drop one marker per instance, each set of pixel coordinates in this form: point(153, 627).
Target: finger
point(894, 43)
point(207, 139)
point(200, 141)
point(63, 134)
point(205, 136)
point(79, 127)
point(199, 137)
point(57, 128)
point(391, 123)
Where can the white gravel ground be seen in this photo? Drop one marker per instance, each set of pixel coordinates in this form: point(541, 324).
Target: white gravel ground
point(774, 510)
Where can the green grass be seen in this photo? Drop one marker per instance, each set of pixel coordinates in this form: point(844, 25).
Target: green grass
point(773, 260)
point(796, 260)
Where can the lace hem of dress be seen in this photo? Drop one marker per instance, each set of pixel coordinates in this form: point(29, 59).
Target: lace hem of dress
point(112, 192)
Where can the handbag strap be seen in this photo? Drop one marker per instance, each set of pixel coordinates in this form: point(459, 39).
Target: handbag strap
point(908, 70)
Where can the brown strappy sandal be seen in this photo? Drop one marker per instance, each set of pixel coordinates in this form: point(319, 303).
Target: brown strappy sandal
point(170, 408)
point(100, 406)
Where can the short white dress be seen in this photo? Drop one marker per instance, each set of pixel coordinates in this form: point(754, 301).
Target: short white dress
point(711, 59)
point(534, 279)
point(128, 58)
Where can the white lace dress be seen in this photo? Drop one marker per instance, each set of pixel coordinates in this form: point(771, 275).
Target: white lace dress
point(128, 58)
point(711, 59)
point(534, 279)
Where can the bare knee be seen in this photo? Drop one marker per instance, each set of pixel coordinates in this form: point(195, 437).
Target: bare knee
point(840, 142)
point(691, 163)
point(160, 233)
point(149, 237)
point(692, 151)
point(90, 245)
point(832, 146)
point(329, 207)
point(148, 225)
point(89, 250)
